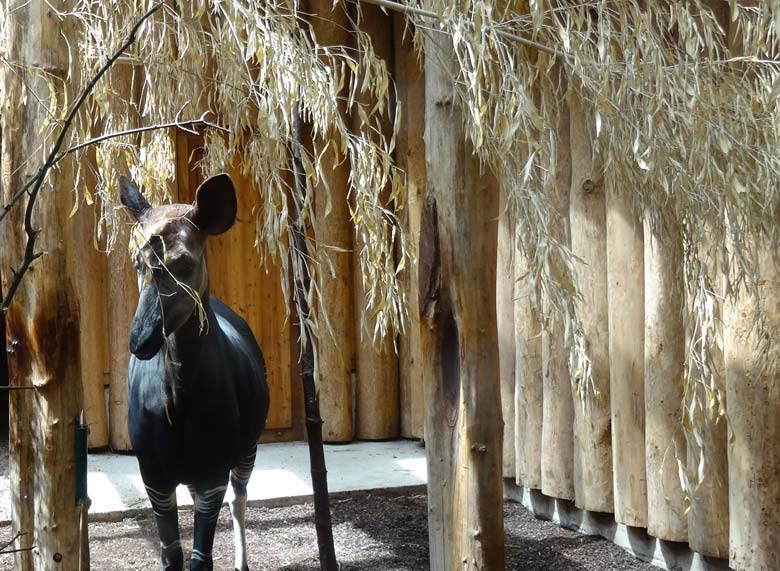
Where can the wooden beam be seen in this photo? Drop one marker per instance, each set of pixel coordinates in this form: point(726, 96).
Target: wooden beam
point(664, 370)
point(43, 319)
point(593, 489)
point(505, 315)
point(410, 158)
point(625, 264)
point(330, 26)
point(558, 409)
point(463, 428)
point(378, 414)
point(753, 411)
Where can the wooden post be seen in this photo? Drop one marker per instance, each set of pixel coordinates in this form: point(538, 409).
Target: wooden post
point(410, 158)
point(378, 404)
point(593, 489)
point(91, 290)
point(122, 293)
point(336, 354)
point(664, 370)
point(625, 264)
point(463, 427)
point(558, 409)
point(528, 403)
point(43, 318)
point(753, 411)
point(505, 315)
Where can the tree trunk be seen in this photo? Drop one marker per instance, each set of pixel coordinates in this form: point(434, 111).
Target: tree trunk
point(337, 353)
point(528, 382)
point(558, 409)
point(625, 263)
point(410, 158)
point(43, 319)
point(463, 427)
point(592, 434)
point(664, 370)
point(753, 410)
point(377, 391)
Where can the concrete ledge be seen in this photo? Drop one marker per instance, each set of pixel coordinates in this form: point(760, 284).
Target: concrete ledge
point(664, 554)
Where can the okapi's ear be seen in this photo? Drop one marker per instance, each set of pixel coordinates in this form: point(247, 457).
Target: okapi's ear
point(215, 205)
point(132, 197)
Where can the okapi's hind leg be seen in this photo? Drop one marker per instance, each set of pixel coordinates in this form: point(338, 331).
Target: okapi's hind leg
point(166, 513)
point(207, 501)
point(239, 477)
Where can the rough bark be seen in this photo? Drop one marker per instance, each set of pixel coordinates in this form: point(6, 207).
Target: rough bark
point(753, 411)
point(588, 218)
point(43, 319)
point(463, 427)
point(334, 230)
point(664, 369)
point(625, 263)
point(558, 408)
point(377, 391)
point(410, 158)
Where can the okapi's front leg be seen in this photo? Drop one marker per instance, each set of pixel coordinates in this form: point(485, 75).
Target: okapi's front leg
point(166, 513)
point(239, 478)
point(207, 503)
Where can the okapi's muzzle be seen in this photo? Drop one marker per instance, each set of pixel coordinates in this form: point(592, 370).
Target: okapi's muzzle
point(146, 332)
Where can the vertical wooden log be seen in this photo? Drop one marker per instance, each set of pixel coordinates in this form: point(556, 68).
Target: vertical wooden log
point(505, 314)
point(122, 295)
point(753, 410)
point(625, 264)
point(528, 403)
point(592, 435)
point(664, 370)
point(334, 229)
point(91, 291)
point(708, 518)
point(558, 407)
point(43, 319)
point(463, 429)
point(377, 391)
point(410, 158)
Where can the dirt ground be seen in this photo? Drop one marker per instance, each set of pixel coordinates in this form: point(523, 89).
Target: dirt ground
point(381, 531)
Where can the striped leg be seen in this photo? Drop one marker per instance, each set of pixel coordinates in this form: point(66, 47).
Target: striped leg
point(163, 502)
point(239, 478)
point(208, 502)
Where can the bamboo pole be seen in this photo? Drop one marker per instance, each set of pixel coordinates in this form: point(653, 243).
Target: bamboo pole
point(377, 392)
point(625, 265)
point(463, 430)
point(43, 317)
point(558, 406)
point(528, 382)
point(505, 314)
point(410, 158)
point(663, 372)
point(334, 230)
point(592, 434)
point(753, 411)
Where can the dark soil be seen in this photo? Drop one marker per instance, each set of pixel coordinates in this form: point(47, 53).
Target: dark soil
point(379, 531)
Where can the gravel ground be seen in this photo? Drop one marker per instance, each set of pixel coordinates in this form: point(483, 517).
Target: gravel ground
point(381, 531)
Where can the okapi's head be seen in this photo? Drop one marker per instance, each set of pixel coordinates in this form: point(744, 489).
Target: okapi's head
point(169, 254)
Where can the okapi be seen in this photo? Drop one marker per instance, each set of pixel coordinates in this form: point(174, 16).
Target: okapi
point(198, 397)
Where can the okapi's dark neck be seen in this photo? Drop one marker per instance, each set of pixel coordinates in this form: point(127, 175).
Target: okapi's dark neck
point(185, 350)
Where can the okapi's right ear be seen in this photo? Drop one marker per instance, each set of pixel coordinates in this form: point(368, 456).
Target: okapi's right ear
point(132, 197)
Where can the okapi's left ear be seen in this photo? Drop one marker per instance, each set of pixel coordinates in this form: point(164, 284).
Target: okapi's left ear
point(132, 197)
point(215, 205)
